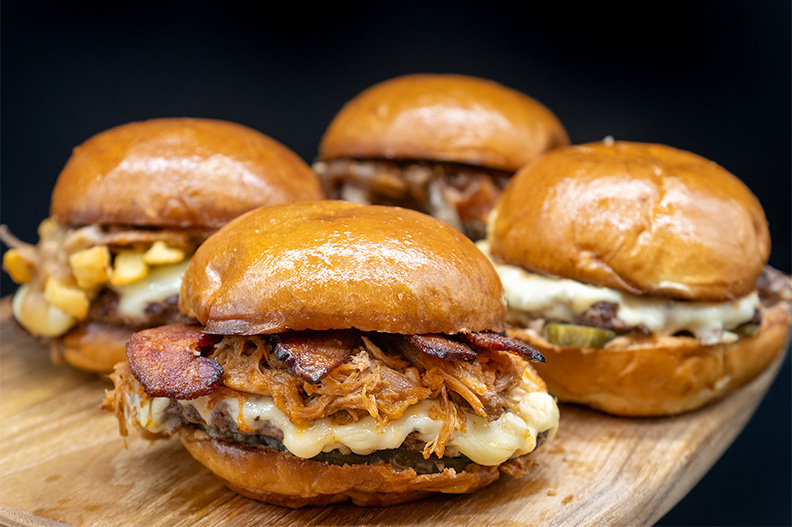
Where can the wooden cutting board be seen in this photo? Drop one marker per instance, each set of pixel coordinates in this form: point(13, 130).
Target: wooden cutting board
point(62, 462)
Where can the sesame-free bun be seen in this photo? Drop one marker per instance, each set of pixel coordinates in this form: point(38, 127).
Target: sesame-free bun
point(451, 118)
point(658, 376)
point(642, 218)
point(335, 265)
point(94, 347)
point(278, 477)
point(179, 172)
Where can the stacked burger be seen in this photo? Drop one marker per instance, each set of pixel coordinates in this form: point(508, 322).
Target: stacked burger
point(127, 212)
point(445, 145)
point(344, 352)
point(639, 271)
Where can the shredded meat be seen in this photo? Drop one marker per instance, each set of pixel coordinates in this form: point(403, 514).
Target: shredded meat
point(382, 375)
point(461, 195)
point(773, 287)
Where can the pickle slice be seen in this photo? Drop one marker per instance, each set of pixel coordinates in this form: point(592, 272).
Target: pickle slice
point(571, 336)
point(747, 330)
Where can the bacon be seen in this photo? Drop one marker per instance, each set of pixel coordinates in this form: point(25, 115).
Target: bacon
point(312, 354)
point(442, 347)
point(495, 341)
point(168, 361)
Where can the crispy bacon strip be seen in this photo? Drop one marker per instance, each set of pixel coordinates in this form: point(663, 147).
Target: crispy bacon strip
point(495, 341)
point(167, 361)
point(312, 354)
point(442, 347)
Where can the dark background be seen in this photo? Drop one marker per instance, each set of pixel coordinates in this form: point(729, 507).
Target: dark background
point(710, 78)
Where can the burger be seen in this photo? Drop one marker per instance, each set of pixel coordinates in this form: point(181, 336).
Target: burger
point(638, 270)
point(445, 145)
point(343, 352)
point(127, 212)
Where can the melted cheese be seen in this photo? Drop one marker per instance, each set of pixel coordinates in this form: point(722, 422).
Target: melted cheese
point(564, 300)
point(37, 316)
point(160, 283)
point(486, 443)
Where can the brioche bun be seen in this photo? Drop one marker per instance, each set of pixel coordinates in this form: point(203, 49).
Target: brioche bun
point(95, 347)
point(336, 265)
point(451, 118)
point(661, 375)
point(177, 173)
point(642, 218)
point(276, 477)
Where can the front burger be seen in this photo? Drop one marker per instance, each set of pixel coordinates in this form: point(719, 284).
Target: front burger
point(639, 272)
point(127, 212)
point(445, 145)
point(344, 352)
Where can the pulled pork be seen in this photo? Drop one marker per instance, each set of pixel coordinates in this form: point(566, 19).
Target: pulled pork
point(381, 375)
point(461, 195)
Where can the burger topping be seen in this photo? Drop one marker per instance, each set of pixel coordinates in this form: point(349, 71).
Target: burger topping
point(168, 361)
point(72, 266)
point(537, 297)
point(312, 354)
point(377, 385)
point(484, 442)
point(461, 195)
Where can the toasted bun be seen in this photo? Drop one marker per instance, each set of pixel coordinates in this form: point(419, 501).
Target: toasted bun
point(335, 265)
point(443, 118)
point(661, 376)
point(95, 346)
point(178, 173)
point(283, 479)
point(638, 217)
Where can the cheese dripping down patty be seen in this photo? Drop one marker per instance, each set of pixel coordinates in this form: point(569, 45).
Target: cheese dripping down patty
point(484, 442)
point(564, 300)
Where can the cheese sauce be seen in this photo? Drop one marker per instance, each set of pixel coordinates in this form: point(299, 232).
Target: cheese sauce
point(486, 443)
point(564, 300)
point(160, 283)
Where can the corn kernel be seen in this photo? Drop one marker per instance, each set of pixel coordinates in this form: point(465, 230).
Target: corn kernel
point(129, 267)
point(91, 267)
point(67, 298)
point(161, 254)
point(20, 270)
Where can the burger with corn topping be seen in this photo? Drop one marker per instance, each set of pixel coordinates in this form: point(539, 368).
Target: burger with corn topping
point(639, 270)
point(343, 352)
point(127, 212)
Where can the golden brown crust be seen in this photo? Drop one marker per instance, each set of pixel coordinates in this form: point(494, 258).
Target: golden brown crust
point(660, 376)
point(178, 173)
point(443, 118)
point(94, 347)
point(336, 265)
point(638, 217)
point(276, 477)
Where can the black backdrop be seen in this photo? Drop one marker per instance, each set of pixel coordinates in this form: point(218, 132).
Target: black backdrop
point(710, 78)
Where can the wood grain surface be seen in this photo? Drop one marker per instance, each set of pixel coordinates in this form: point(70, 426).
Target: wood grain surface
point(62, 462)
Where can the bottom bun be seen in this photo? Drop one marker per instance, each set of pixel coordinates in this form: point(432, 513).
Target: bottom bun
point(265, 474)
point(94, 347)
point(659, 376)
